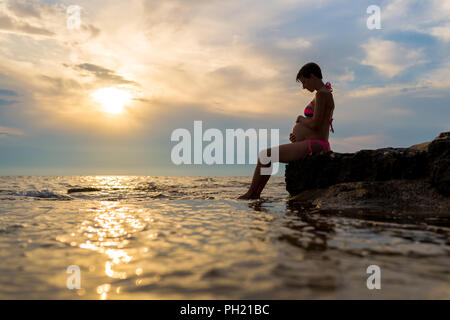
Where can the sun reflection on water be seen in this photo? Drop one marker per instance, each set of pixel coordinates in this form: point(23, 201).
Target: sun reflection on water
point(108, 232)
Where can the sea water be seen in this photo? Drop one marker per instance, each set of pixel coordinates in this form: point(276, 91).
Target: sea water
point(136, 237)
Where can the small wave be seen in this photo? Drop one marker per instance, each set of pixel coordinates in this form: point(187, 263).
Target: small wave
point(47, 194)
point(86, 189)
point(159, 196)
point(7, 192)
point(205, 180)
point(149, 186)
point(11, 228)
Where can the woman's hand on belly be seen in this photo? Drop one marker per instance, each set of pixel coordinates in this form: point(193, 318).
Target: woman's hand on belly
point(299, 118)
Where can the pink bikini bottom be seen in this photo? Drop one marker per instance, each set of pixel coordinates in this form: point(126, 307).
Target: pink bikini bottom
point(325, 144)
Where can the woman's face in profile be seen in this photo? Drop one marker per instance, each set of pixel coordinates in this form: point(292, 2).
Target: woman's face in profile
point(306, 83)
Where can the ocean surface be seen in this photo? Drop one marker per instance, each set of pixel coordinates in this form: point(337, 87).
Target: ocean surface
point(189, 238)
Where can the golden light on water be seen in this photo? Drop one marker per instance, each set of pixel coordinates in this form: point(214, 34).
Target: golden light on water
point(108, 233)
point(113, 100)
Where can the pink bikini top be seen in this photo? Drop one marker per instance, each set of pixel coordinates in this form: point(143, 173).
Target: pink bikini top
point(309, 111)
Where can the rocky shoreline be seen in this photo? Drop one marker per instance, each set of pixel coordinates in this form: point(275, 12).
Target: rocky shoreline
point(413, 180)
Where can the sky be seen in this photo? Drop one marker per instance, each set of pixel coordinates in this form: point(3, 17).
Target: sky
point(230, 64)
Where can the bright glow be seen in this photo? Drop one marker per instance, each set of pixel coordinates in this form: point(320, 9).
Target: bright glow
point(113, 100)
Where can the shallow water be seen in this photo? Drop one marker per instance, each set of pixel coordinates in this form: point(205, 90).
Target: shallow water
point(189, 238)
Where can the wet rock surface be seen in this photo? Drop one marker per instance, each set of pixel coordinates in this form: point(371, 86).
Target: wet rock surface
point(416, 179)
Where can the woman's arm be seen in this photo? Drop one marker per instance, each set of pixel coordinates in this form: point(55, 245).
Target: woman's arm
point(319, 112)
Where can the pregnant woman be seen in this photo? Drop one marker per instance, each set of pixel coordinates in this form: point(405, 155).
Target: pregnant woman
point(310, 133)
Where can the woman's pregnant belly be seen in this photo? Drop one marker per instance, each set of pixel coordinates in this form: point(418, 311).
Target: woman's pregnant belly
point(301, 132)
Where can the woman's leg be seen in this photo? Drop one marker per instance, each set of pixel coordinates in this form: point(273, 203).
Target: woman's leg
point(286, 153)
point(257, 181)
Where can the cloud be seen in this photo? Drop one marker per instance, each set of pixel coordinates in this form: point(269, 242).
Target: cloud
point(43, 20)
point(6, 102)
point(104, 74)
point(9, 93)
point(9, 24)
point(389, 58)
point(172, 51)
point(297, 43)
point(6, 131)
point(23, 8)
point(400, 112)
point(398, 89)
point(441, 32)
point(395, 10)
point(429, 17)
point(439, 77)
point(341, 79)
point(60, 85)
point(94, 31)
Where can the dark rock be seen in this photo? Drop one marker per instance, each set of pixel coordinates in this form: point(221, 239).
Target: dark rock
point(439, 154)
point(402, 195)
point(87, 189)
point(383, 177)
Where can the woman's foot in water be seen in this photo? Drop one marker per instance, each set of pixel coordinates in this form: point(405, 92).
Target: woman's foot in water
point(248, 196)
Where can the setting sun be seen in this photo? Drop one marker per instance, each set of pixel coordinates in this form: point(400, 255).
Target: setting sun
point(113, 100)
